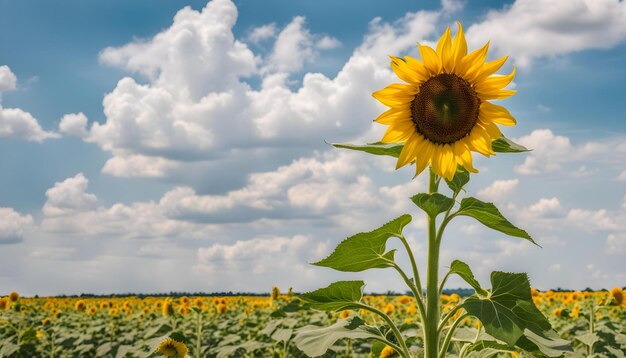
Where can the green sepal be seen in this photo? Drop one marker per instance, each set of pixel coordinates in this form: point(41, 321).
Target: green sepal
point(433, 204)
point(366, 250)
point(378, 148)
point(315, 340)
point(505, 145)
point(341, 295)
point(488, 215)
point(465, 272)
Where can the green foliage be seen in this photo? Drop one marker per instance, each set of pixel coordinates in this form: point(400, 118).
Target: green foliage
point(508, 310)
point(378, 148)
point(433, 204)
point(315, 340)
point(488, 215)
point(338, 296)
point(461, 177)
point(462, 269)
point(366, 250)
point(505, 145)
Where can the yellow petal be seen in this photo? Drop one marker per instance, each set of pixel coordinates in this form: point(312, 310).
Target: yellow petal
point(398, 133)
point(495, 82)
point(408, 152)
point(431, 60)
point(498, 114)
point(491, 128)
point(425, 151)
point(396, 94)
point(395, 115)
point(490, 68)
point(408, 73)
point(464, 156)
point(444, 51)
point(472, 63)
point(418, 66)
point(448, 163)
point(497, 94)
point(459, 47)
point(478, 141)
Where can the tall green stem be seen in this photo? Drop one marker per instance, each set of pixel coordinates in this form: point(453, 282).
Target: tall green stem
point(432, 283)
point(198, 332)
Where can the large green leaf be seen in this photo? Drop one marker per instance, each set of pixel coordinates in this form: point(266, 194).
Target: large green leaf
point(315, 340)
point(546, 344)
point(433, 204)
point(338, 296)
point(366, 250)
point(505, 145)
point(461, 177)
point(508, 310)
point(378, 148)
point(462, 269)
point(490, 216)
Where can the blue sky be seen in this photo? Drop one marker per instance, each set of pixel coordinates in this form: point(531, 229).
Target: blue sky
point(150, 147)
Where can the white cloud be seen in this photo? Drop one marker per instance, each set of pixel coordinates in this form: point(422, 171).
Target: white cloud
point(74, 124)
point(545, 207)
point(15, 122)
point(262, 33)
point(622, 176)
point(69, 196)
point(133, 166)
point(531, 29)
point(499, 189)
point(591, 219)
point(551, 153)
point(53, 253)
point(13, 225)
point(196, 106)
point(616, 244)
point(293, 47)
point(7, 79)
point(554, 268)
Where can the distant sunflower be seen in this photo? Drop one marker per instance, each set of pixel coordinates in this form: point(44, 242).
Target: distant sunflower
point(171, 348)
point(442, 113)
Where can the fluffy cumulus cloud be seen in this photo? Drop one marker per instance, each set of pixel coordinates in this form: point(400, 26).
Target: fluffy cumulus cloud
point(295, 46)
point(530, 29)
point(499, 189)
point(556, 153)
point(13, 225)
point(197, 106)
point(15, 122)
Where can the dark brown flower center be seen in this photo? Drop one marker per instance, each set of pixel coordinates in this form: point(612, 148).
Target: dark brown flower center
point(445, 109)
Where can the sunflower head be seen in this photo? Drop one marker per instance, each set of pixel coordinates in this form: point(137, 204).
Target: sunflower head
point(442, 112)
point(172, 348)
point(14, 296)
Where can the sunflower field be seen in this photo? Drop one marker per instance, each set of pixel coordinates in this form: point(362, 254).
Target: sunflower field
point(594, 323)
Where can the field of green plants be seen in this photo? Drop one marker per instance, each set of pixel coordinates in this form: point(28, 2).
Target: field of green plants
point(280, 326)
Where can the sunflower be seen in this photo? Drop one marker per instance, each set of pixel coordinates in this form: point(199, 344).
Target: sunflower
point(442, 113)
point(170, 348)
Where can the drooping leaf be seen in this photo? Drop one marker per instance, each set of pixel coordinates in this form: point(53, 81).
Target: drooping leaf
point(378, 148)
point(337, 296)
point(508, 310)
point(488, 215)
point(505, 145)
point(461, 177)
point(315, 340)
point(282, 334)
point(433, 204)
point(366, 250)
point(548, 343)
point(462, 269)
point(588, 338)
